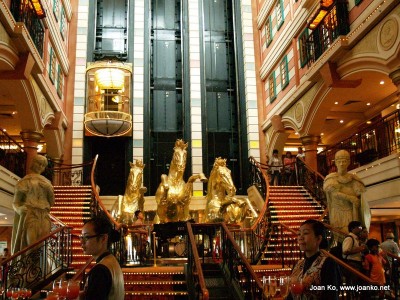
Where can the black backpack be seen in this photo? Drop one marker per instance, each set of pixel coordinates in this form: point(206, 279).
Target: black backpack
point(337, 250)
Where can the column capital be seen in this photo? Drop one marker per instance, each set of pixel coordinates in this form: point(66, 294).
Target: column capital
point(310, 140)
point(31, 136)
point(395, 76)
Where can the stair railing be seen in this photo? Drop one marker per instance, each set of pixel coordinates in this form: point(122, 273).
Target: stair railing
point(194, 274)
point(98, 209)
point(66, 174)
point(288, 239)
point(362, 281)
point(81, 273)
point(138, 236)
point(312, 180)
point(238, 270)
point(35, 266)
point(394, 272)
point(218, 246)
point(256, 234)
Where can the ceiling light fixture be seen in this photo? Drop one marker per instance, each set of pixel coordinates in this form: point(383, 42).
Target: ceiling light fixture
point(109, 78)
point(368, 103)
point(382, 82)
point(341, 121)
point(336, 103)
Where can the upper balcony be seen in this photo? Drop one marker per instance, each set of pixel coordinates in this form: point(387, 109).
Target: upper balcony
point(108, 99)
point(30, 13)
point(327, 23)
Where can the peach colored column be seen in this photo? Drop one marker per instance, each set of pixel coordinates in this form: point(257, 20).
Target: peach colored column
point(310, 143)
point(31, 141)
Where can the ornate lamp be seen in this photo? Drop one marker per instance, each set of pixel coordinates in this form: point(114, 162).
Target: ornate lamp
point(38, 8)
point(324, 7)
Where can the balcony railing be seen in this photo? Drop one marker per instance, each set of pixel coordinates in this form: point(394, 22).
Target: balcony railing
point(23, 11)
point(376, 141)
point(334, 24)
point(12, 155)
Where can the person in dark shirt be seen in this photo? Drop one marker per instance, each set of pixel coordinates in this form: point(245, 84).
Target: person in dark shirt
point(318, 274)
point(105, 280)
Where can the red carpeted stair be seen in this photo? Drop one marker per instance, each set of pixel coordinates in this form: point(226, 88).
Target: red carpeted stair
point(72, 207)
point(290, 205)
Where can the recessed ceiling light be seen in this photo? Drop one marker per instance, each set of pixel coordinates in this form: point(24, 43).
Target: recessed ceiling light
point(336, 103)
point(382, 82)
point(341, 121)
point(322, 133)
point(368, 103)
point(369, 122)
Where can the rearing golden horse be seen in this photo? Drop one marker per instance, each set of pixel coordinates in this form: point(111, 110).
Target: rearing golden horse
point(173, 195)
point(133, 199)
point(222, 203)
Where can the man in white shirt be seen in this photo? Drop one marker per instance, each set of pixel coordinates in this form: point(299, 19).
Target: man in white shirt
point(352, 251)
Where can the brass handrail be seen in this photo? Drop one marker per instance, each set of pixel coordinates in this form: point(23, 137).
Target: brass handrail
point(349, 268)
point(261, 225)
point(97, 196)
point(242, 257)
point(27, 267)
point(196, 260)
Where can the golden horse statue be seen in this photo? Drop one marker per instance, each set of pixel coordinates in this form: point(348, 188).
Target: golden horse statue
point(222, 205)
point(173, 195)
point(133, 199)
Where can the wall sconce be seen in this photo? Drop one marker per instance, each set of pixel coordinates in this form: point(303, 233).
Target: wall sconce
point(324, 7)
point(38, 8)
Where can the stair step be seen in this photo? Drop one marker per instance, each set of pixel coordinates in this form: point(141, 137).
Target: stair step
point(290, 217)
point(286, 208)
point(275, 212)
point(157, 282)
point(156, 293)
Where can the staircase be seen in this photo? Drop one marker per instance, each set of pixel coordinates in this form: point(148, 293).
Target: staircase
point(149, 283)
point(72, 207)
point(290, 205)
point(215, 282)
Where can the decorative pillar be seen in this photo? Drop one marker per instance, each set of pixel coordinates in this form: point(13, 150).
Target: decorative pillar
point(31, 141)
point(310, 143)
